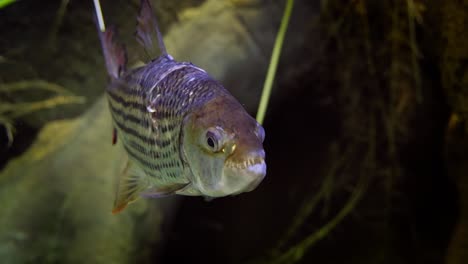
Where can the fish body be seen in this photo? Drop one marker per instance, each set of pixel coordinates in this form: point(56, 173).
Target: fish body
point(184, 133)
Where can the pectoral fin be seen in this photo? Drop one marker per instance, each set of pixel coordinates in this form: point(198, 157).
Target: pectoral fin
point(209, 199)
point(132, 182)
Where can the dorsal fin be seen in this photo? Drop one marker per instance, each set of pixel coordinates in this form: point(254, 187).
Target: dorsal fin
point(114, 53)
point(148, 33)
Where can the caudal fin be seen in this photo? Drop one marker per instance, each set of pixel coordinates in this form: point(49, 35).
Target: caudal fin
point(114, 53)
point(148, 33)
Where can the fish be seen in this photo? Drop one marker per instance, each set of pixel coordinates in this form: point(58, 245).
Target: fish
point(182, 131)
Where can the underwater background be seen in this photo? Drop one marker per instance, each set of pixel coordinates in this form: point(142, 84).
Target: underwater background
point(366, 134)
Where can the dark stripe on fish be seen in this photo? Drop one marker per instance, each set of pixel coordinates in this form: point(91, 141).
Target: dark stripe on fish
point(131, 91)
point(125, 103)
point(149, 165)
point(169, 127)
point(143, 162)
point(144, 122)
point(143, 150)
point(158, 115)
point(152, 155)
point(152, 141)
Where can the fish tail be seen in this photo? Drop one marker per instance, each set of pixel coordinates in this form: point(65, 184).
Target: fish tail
point(147, 32)
point(114, 53)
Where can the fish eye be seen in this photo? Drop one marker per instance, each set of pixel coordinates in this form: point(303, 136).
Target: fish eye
point(213, 139)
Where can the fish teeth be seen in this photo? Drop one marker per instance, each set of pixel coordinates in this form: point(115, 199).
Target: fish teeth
point(245, 164)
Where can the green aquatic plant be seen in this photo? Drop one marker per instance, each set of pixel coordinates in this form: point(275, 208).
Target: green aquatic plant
point(267, 87)
point(9, 111)
point(4, 3)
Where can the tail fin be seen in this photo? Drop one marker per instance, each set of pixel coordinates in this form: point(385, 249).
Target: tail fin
point(147, 32)
point(114, 53)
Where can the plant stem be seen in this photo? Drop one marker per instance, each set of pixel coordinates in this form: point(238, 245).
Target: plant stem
point(274, 62)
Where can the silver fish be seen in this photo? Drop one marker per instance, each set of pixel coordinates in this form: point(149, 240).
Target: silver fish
point(184, 133)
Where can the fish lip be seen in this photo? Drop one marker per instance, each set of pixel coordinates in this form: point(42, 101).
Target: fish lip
point(253, 185)
point(257, 179)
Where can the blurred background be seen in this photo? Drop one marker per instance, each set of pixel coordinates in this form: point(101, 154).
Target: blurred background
point(366, 134)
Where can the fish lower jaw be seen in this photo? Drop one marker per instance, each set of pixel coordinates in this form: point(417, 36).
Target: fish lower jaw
point(236, 180)
point(256, 172)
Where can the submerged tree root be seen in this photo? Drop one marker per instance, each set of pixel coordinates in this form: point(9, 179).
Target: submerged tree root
point(11, 111)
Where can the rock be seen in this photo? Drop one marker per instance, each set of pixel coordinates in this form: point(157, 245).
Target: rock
point(56, 199)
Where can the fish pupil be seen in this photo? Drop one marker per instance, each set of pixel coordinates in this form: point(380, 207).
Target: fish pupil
point(210, 142)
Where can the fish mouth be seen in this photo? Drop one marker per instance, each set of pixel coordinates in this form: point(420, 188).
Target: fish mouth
point(242, 177)
point(257, 172)
point(235, 177)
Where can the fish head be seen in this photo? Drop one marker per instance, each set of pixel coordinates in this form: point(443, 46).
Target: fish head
point(223, 146)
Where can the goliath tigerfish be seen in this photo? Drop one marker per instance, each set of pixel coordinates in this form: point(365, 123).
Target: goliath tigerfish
point(184, 133)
